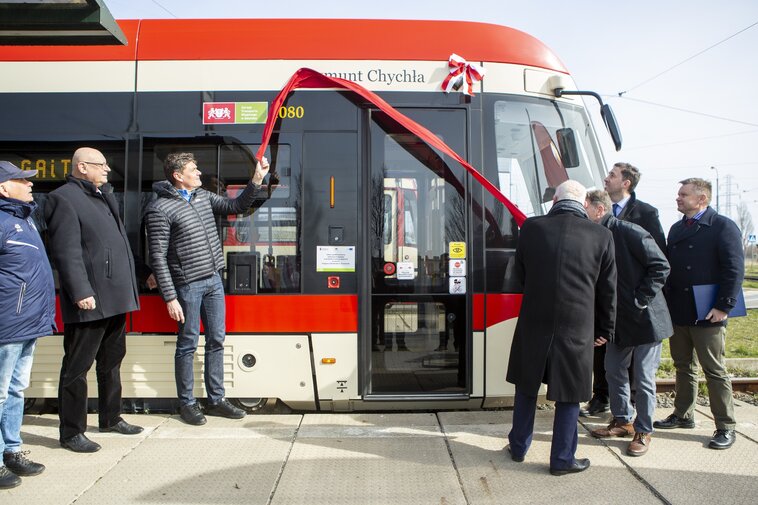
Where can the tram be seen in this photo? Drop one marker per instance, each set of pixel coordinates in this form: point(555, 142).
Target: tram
point(375, 274)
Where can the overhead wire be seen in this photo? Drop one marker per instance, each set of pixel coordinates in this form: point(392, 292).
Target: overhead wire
point(680, 109)
point(164, 8)
point(622, 93)
point(685, 141)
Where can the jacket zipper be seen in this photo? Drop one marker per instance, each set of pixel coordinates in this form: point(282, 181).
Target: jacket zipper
point(21, 298)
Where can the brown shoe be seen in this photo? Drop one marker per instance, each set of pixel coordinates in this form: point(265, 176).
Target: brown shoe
point(639, 444)
point(615, 429)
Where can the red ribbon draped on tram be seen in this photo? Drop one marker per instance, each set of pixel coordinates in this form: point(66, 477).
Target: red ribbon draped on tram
point(306, 78)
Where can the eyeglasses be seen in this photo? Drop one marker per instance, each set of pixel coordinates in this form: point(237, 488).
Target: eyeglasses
point(100, 164)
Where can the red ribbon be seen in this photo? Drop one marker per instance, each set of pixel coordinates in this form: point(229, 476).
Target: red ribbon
point(468, 71)
point(306, 78)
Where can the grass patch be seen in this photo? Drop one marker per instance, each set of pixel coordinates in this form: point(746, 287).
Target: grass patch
point(741, 337)
point(751, 270)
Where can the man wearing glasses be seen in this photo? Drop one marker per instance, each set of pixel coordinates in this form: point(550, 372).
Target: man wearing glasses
point(98, 288)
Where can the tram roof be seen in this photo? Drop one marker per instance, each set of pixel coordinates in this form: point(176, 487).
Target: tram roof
point(305, 39)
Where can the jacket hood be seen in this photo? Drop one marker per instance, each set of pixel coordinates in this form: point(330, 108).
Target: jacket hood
point(17, 208)
point(165, 189)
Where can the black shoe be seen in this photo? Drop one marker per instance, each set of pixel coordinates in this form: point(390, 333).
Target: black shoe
point(596, 405)
point(722, 439)
point(124, 428)
point(225, 409)
point(80, 443)
point(18, 463)
point(579, 465)
point(191, 414)
point(517, 459)
point(8, 479)
point(674, 421)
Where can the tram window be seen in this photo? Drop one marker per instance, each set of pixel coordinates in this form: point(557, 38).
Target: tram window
point(387, 213)
point(271, 232)
point(422, 206)
point(409, 222)
point(529, 134)
point(53, 164)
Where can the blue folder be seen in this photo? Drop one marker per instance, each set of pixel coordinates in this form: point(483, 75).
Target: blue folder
point(705, 298)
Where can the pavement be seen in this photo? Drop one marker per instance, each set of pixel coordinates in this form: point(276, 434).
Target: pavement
point(435, 458)
point(751, 298)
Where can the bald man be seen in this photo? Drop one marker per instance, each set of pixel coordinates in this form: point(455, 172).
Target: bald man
point(97, 289)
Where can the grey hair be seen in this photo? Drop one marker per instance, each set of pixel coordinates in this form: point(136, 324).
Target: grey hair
point(570, 190)
point(701, 186)
point(600, 197)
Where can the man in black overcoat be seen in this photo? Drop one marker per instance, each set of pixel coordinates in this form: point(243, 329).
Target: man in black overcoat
point(620, 184)
point(98, 288)
point(704, 248)
point(567, 272)
point(642, 324)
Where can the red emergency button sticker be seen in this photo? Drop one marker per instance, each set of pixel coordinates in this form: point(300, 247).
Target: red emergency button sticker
point(389, 268)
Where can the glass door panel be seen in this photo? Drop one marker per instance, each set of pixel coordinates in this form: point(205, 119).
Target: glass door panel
point(417, 209)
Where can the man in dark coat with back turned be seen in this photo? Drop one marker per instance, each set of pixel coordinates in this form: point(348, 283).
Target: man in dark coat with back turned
point(567, 271)
point(98, 288)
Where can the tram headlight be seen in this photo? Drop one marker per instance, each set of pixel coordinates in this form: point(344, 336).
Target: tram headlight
point(248, 361)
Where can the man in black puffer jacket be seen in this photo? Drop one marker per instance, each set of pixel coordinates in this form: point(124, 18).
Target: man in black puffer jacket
point(186, 258)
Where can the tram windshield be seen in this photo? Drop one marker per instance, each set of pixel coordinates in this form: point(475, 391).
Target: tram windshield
point(540, 144)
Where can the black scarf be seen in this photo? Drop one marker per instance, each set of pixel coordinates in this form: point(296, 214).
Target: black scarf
point(568, 207)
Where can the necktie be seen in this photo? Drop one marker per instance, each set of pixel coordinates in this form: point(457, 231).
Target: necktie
point(689, 222)
point(616, 209)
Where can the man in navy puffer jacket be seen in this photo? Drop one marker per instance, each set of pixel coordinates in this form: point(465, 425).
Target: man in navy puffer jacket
point(27, 306)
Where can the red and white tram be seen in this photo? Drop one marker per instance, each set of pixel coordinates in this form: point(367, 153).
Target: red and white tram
point(373, 277)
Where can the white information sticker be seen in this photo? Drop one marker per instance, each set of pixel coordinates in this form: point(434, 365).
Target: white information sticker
point(405, 271)
point(457, 285)
point(331, 258)
point(457, 268)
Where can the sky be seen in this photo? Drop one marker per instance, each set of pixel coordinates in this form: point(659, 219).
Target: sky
point(681, 66)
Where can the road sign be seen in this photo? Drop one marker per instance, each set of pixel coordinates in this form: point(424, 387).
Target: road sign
point(751, 239)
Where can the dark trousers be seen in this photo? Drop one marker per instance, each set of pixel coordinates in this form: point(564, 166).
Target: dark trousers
point(599, 382)
point(565, 434)
point(83, 343)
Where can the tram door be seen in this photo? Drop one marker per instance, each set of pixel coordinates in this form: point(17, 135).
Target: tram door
point(417, 239)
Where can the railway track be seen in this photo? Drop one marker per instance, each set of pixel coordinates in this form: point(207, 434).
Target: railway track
point(742, 384)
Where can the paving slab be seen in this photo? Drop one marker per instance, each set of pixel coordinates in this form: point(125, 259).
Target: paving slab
point(69, 475)
point(224, 461)
point(399, 458)
point(680, 466)
point(489, 476)
point(369, 459)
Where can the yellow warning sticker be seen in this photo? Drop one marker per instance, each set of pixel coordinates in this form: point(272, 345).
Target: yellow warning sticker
point(457, 250)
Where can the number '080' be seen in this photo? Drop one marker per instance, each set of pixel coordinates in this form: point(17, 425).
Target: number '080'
point(291, 112)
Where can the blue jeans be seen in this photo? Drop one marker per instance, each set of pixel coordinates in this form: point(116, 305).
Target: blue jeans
point(646, 359)
point(202, 299)
point(15, 369)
